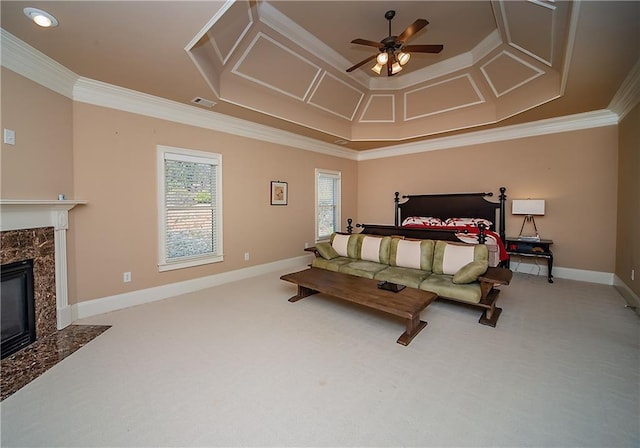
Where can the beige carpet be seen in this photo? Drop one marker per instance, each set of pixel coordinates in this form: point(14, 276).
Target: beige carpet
point(238, 365)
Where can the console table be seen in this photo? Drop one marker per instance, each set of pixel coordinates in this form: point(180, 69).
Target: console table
point(531, 248)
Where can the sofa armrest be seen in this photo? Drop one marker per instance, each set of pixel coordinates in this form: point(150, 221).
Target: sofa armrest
point(314, 250)
point(496, 276)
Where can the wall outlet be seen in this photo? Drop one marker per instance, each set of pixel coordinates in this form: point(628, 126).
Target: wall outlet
point(9, 136)
point(126, 277)
point(246, 256)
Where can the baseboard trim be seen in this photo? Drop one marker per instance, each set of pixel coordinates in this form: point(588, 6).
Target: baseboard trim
point(120, 301)
point(632, 299)
point(582, 275)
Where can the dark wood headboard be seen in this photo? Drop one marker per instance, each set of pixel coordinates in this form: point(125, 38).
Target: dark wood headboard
point(453, 205)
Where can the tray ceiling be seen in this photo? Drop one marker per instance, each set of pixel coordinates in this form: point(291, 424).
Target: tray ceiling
point(282, 63)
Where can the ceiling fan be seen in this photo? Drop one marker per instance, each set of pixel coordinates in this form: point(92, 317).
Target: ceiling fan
point(388, 46)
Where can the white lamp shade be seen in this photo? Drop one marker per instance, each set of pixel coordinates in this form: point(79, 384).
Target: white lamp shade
point(527, 207)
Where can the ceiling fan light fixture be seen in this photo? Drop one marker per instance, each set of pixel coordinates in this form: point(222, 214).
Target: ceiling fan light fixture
point(403, 57)
point(382, 58)
point(395, 68)
point(377, 68)
point(40, 17)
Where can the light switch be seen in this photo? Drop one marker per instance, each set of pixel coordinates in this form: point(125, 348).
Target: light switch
point(10, 136)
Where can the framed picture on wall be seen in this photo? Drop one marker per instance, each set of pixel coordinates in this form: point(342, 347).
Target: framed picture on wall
point(279, 192)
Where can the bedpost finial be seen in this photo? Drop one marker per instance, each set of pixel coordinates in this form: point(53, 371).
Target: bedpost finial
point(349, 226)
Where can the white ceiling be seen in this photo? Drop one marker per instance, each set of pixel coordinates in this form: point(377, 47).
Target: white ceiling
point(283, 63)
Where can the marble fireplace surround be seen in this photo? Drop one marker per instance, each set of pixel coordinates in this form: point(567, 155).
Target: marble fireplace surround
point(22, 220)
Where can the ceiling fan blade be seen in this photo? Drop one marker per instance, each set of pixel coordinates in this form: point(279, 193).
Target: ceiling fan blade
point(423, 48)
point(370, 43)
point(361, 63)
point(412, 29)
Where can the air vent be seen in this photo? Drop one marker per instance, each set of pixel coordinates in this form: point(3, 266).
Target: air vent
point(202, 102)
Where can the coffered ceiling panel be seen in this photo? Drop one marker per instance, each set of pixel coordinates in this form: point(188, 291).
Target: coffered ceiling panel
point(380, 108)
point(336, 96)
point(506, 72)
point(444, 96)
point(273, 65)
point(230, 29)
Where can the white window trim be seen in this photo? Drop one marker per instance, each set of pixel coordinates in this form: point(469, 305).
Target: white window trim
point(338, 175)
point(165, 152)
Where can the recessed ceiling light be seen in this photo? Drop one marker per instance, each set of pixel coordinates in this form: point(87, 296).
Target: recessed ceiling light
point(40, 17)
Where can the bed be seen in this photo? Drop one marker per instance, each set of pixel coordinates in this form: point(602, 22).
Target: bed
point(466, 217)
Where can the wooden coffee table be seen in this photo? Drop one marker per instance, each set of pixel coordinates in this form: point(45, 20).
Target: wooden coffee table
point(406, 304)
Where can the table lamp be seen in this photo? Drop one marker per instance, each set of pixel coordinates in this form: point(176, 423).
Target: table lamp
point(529, 208)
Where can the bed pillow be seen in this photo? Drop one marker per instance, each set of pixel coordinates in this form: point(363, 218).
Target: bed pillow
point(422, 221)
point(326, 251)
point(461, 222)
point(470, 272)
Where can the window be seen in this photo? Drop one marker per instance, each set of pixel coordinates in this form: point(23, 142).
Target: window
point(327, 203)
point(190, 208)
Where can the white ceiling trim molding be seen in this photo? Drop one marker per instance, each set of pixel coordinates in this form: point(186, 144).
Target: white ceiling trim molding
point(547, 6)
point(446, 67)
point(225, 58)
point(365, 109)
point(106, 95)
point(628, 95)
point(283, 25)
point(22, 58)
point(260, 35)
point(575, 122)
point(472, 83)
point(346, 84)
point(536, 70)
point(212, 21)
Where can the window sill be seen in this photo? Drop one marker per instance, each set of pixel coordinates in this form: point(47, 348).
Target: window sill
point(170, 266)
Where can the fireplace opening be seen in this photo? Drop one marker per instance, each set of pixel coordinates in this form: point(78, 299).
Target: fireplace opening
point(17, 322)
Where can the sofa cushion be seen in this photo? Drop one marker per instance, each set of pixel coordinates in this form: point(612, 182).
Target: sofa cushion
point(470, 272)
point(449, 257)
point(340, 244)
point(374, 248)
point(415, 254)
point(362, 268)
point(444, 287)
point(326, 251)
point(330, 265)
point(403, 276)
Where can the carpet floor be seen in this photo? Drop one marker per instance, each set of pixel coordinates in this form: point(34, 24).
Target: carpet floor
point(238, 365)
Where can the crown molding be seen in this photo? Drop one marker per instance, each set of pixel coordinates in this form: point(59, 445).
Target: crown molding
point(568, 123)
point(628, 95)
point(23, 59)
point(114, 97)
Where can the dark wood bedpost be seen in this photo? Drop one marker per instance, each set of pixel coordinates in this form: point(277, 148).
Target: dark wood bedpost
point(396, 201)
point(349, 226)
point(482, 237)
point(503, 201)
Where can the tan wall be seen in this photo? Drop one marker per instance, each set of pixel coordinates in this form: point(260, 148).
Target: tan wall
point(628, 244)
point(115, 166)
point(575, 172)
point(40, 164)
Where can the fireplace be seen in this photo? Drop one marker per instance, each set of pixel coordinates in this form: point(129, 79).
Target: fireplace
point(18, 322)
point(36, 230)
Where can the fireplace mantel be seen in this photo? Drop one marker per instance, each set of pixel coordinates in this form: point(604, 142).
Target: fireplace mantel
point(17, 214)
